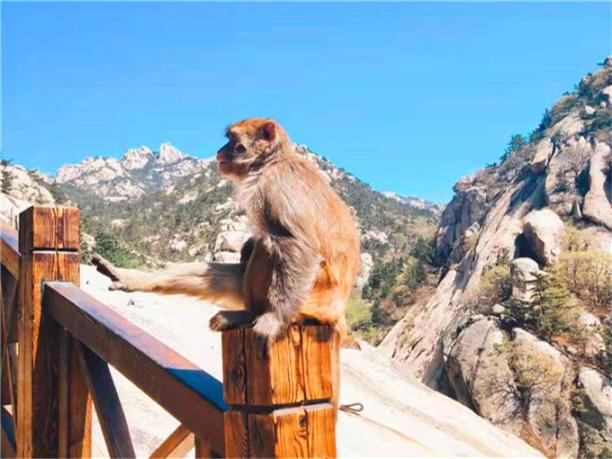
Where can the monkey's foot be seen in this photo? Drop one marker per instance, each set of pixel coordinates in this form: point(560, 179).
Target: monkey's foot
point(105, 267)
point(226, 320)
point(267, 329)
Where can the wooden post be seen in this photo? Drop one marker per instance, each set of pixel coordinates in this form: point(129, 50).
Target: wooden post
point(280, 401)
point(53, 406)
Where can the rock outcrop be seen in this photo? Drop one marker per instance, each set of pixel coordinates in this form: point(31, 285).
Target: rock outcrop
point(524, 272)
point(466, 209)
point(140, 171)
point(479, 374)
point(23, 188)
point(520, 211)
point(516, 381)
point(597, 202)
point(544, 231)
point(595, 414)
point(365, 268)
point(544, 151)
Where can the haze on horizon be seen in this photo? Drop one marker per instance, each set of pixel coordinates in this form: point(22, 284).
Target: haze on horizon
point(406, 96)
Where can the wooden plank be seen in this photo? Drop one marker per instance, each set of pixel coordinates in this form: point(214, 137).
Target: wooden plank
point(7, 309)
point(64, 395)
point(80, 406)
point(7, 443)
point(262, 441)
point(49, 228)
point(234, 367)
point(178, 444)
point(37, 394)
point(275, 377)
point(278, 377)
point(321, 420)
point(293, 432)
point(9, 248)
point(283, 409)
point(203, 449)
point(236, 434)
point(9, 305)
point(317, 349)
point(188, 393)
point(108, 406)
point(12, 374)
point(45, 234)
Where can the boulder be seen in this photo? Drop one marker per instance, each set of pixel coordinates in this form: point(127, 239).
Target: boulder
point(479, 374)
point(545, 379)
point(589, 328)
point(523, 272)
point(365, 268)
point(230, 241)
point(543, 231)
point(565, 167)
point(227, 257)
point(498, 309)
point(595, 415)
point(466, 208)
point(597, 206)
point(522, 385)
point(465, 243)
point(571, 125)
point(543, 153)
point(607, 91)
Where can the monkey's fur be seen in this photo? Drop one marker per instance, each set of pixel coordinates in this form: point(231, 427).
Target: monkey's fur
point(304, 254)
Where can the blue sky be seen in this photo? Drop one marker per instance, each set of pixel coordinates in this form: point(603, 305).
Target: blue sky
point(407, 96)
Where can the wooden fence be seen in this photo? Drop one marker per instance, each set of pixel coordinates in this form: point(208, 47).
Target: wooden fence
point(57, 344)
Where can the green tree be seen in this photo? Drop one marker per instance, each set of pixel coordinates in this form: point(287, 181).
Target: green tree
point(58, 195)
point(516, 142)
point(552, 307)
point(107, 245)
point(546, 121)
point(6, 175)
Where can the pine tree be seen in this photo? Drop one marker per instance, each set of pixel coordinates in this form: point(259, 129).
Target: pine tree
point(516, 142)
point(6, 176)
point(552, 306)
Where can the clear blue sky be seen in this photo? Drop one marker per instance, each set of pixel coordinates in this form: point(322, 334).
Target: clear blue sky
point(407, 96)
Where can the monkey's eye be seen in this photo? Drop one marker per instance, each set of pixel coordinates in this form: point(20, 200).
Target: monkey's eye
point(239, 148)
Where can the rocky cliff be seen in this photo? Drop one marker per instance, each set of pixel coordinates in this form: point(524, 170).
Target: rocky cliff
point(512, 330)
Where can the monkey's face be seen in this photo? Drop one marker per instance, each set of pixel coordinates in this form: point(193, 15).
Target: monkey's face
point(249, 143)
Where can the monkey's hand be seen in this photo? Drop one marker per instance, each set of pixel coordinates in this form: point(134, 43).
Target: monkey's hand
point(225, 320)
point(267, 329)
point(113, 273)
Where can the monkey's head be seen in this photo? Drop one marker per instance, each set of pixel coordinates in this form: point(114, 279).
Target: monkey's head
point(251, 143)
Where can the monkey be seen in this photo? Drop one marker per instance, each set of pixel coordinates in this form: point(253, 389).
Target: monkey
point(303, 258)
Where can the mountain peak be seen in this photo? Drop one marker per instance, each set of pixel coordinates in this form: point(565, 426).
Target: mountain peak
point(169, 154)
point(136, 158)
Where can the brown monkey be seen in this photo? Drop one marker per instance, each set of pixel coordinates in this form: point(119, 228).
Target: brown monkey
point(304, 254)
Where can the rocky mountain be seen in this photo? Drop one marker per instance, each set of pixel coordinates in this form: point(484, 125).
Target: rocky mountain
point(415, 201)
point(137, 173)
point(519, 325)
point(152, 207)
point(21, 188)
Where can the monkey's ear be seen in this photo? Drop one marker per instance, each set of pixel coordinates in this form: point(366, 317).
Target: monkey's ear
point(269, 130)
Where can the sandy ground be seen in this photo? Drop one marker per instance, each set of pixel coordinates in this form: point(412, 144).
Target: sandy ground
point(401, 416)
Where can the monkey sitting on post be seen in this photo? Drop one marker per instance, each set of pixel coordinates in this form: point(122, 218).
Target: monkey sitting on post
point(303, 258)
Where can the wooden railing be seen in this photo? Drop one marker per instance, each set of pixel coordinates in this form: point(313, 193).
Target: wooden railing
point(58, 342)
